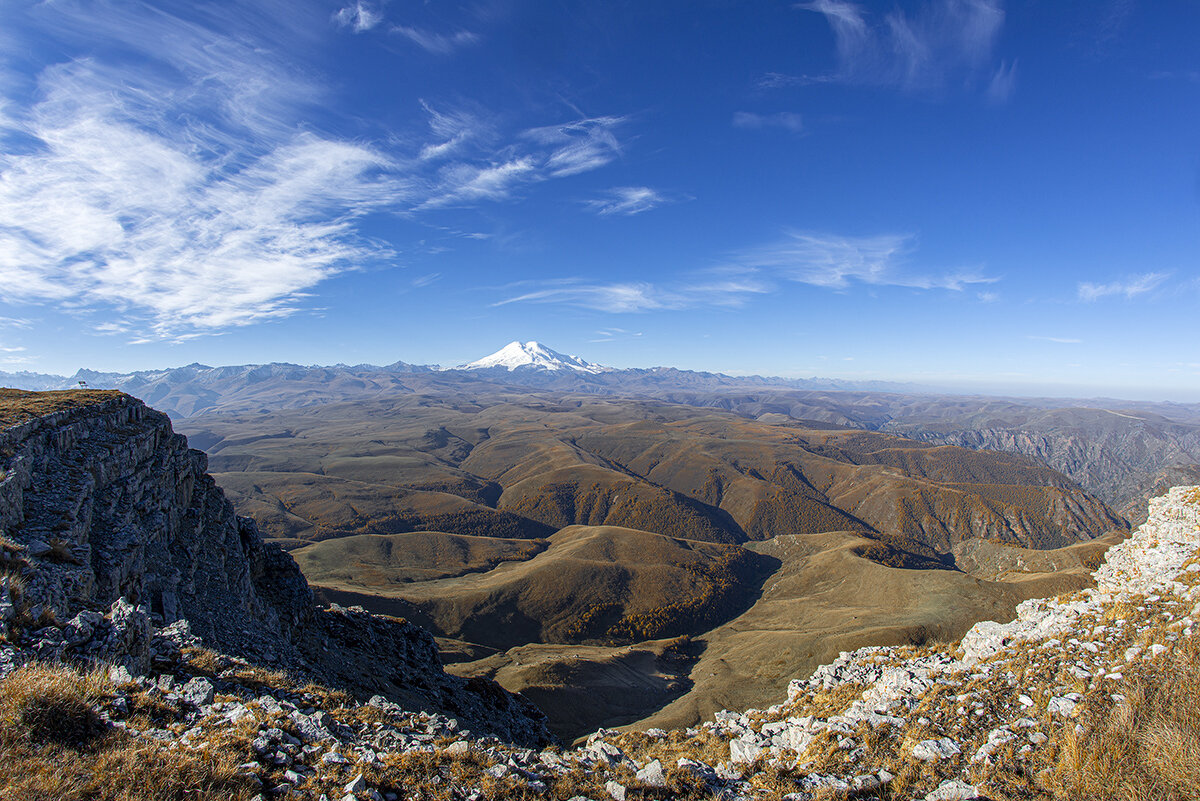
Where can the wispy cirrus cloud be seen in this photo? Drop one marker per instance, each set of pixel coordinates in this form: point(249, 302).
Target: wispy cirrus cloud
point(1129, 288)
point(358, 17)
point(200, 192)
point(785, 120)
point(1003, 82)
point(837, 262)
point(1056, 340)
point(642, 296)
point(440, 44)
point(614, 334)
point(938, 45)
point(453, 128)
point(578, 146)
point(822, 260)
point(626, 201)
point(536, 154)
point(196, 201)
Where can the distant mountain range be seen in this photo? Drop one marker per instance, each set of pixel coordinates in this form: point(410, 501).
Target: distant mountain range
point(198, 388)
point(1123, 451)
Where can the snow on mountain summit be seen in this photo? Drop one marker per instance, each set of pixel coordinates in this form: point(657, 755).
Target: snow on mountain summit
point(535, 355)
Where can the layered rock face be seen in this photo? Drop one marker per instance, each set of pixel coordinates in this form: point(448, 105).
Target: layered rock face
point(114, 505)
point(106, 510)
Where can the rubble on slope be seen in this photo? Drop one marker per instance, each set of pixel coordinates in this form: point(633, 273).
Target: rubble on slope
point(980, 719)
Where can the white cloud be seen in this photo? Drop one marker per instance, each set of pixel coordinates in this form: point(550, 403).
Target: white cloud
point(184, 198)
point(614, 334)
point(1003, 83)
point(359, 17)
point(578, 146)
point(539, 154)
point(832, 262)
point(627, 200)
point(787, 120)
point(1131, 287)
point(198, 190)
point(835, 262)
point(940, 43)
point(1057, 340)
point(453, 128)
point(643, 296)
point(436, 42)
point(468, 183)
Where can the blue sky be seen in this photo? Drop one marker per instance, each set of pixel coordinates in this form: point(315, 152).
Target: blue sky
point(998, 196)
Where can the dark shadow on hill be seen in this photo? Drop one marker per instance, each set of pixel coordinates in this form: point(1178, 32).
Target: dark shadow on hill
point(890, 555)
point(580, 696)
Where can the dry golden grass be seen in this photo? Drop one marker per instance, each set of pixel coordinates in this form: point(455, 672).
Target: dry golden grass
point(823, 703)
point(203, 660)
point(53, 745)
point(705, 747)
point(1146, 747)
point(17, 406)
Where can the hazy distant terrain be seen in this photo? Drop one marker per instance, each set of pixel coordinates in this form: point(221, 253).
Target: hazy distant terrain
point(564, 542)
point(1122, 451)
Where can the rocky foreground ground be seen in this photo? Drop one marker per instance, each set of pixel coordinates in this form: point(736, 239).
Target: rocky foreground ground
point(1065, 701)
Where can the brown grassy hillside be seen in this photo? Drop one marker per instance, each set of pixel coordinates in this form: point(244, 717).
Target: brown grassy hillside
point(597, 584)
point(371, 562)
point(526, 465)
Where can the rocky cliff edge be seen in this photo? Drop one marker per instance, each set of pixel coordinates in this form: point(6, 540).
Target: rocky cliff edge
point(113, 531)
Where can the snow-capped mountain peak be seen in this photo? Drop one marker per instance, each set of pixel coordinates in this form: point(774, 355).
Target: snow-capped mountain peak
point(534, 355)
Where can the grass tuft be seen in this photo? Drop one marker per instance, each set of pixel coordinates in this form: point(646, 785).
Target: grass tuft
point(54, 745)
point(42, 704)
point(1145, 747)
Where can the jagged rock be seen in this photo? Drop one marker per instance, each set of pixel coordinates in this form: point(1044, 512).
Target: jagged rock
point(605, 752)
point(935, 750)
point(199, 692)
point(8, 609)
point(314, 727)
point(697, 768)
point(615, 790)
point(652, 774)
point(744, 750)
point(37, 548)
point(954, 790)
point(1063, 705)
point(128, 640)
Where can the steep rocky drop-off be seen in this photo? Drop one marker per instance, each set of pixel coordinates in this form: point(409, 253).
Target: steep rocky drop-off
point(104, 509)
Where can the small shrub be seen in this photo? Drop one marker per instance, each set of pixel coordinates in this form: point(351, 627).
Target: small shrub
point(50, 704)
point(62, 553)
